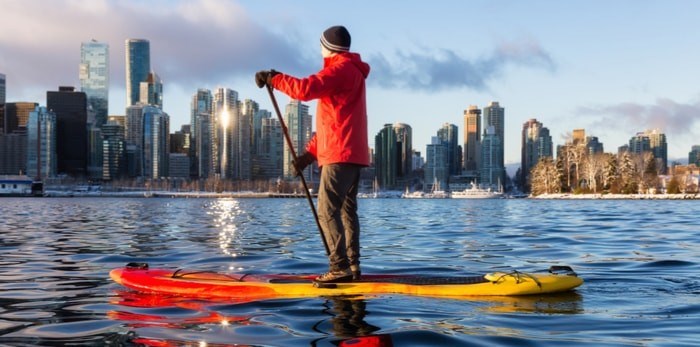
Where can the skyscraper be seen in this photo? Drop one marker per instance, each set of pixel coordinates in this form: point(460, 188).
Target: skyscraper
point(2, 88)
point(113, 150)
point(94, 78)
point(472, 140)
point(17, 116)
point(492, 171)
point(41, 143)
point(651, 141)
point(449, 137)
point(151, 91)
point(494, 116)
point(694, 155)
point(70, 107)
point(225, 141)
point(201, 105)
point(247, 111)
point(404, 147)
point(2, 103)
point(270, 155)
point(298, 121)
point(138, 66)
point(204, 147)
point(134, 139)
point(156, 142)
point(437, 165)
point(536, 143)
point(386, 158)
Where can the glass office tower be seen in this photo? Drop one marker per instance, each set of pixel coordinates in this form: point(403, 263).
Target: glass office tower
point(94, 78)
point(138, 66)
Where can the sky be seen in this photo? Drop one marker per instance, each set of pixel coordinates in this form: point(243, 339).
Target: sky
point(613, 68)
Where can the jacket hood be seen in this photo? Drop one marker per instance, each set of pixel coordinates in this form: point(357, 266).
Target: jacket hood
point(353, 58)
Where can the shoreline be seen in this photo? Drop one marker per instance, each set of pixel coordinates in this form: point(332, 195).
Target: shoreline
point(249, 194)
point(568, 196)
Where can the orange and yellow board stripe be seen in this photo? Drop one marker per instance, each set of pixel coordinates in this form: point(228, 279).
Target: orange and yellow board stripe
point(226, 286)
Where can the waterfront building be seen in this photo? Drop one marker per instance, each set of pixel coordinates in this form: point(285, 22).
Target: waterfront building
point(179, 165)
point(437, 166)
point(259, 161)
point(594, 145)
point(2, 103)
point(494, 116)
point(13, 153)
point(41, 143)
point(134, 124)
point(651, 141)
point(138, 66)
point(578, 137)
point(536, 143)
point(298, 121)
point(17, 116)
point(180, 140)
point(449, 137)
point(386, 159)
point(270, 155)
point(113, 149)
point(201, 104)
point(151, 91)
point(204, 148)
point(70, 107)
point(94, 78)
point(257, 127)
point(694, 155)
point(245, 137)
point(15, 185)
point(226, 125)
point(492, 170)
point(148, 136)
point(417, 162)
point(121, 120)
point(404, 146)
point(94, 155)
point(156, 143)
point(472, 140)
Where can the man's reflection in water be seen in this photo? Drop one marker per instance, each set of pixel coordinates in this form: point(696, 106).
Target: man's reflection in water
point(348, 323)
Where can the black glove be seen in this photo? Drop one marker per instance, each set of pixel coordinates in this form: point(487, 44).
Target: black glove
point(264, 77)
point(303, 161)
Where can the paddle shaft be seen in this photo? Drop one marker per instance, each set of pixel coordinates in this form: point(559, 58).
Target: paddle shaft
point(294, 157)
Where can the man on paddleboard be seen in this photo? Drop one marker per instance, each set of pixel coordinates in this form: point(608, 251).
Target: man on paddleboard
point(340, 144)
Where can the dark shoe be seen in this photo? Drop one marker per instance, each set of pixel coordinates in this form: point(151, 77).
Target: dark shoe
point(356, 272)
point(341, 276)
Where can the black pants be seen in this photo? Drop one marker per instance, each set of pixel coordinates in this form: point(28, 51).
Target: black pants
point(337, 213)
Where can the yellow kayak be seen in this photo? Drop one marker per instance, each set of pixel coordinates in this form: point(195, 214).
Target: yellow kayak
point(193, 283)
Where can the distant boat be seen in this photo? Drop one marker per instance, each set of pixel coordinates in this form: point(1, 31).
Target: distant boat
point(477, 193)
point(378, 193)
point(437, 192)
point(413, 195)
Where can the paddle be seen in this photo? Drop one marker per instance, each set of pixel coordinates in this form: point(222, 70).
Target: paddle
point(294, 157)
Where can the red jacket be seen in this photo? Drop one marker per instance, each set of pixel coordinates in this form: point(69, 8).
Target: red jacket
point(341, 116)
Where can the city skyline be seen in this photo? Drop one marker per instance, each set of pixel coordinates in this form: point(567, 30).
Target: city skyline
point(541, 60)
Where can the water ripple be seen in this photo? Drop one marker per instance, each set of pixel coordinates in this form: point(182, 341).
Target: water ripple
point(640, 261)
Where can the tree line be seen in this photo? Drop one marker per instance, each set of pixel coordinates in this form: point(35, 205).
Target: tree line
point(578, 171)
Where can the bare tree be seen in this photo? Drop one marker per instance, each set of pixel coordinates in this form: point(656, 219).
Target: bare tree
point(593, 166)
point(545, 178)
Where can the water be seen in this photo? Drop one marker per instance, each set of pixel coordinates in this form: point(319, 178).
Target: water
point(640, 261)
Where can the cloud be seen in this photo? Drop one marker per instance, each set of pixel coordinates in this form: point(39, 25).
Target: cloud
point(666, 115)
point(191, 41)
point(445, 68)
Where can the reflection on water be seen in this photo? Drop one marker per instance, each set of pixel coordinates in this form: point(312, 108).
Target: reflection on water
point(226, 213)
point(639, 260)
